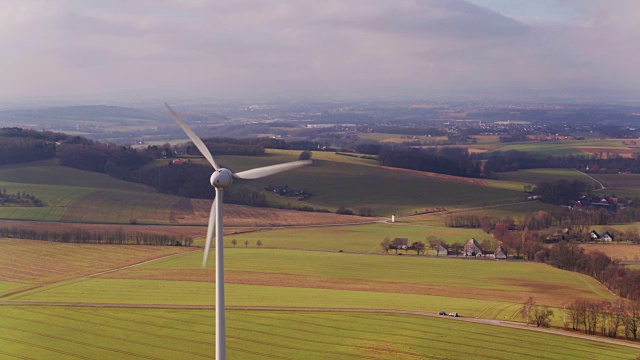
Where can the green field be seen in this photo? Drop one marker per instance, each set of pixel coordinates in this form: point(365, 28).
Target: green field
point(81, 196)
point(84, 333)
point(356, 238)
point(558, 147)
point(284, 277)
point(383, 190)
point(535, 176)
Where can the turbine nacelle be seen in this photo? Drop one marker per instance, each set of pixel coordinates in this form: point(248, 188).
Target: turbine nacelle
point(221, 178)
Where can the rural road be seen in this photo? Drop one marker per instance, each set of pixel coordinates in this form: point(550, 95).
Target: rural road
point(508, 324)
point(602, 187)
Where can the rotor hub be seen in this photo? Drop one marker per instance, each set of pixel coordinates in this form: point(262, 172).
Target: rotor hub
point(221, 178)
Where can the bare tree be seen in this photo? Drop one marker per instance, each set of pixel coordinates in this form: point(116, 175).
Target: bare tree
point(246, 243)
point(541, 316)
point(455, 247)
point(385, 245)
point(632, 319)
point(418, 246)
point(525, 310)
point(259, 243)
point(616, 317)
point(234, 242)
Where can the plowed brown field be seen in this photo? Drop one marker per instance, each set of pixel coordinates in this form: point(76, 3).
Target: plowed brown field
point(624, 252)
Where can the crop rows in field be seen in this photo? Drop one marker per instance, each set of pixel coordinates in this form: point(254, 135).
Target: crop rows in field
point(29, 261)
point(623, 252)
point(463, 278)
point(37, 333)
point(121, 207)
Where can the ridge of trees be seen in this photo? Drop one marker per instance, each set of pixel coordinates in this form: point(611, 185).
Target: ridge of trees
point(79, 236)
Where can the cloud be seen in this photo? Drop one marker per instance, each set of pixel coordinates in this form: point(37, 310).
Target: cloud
point(247, 48)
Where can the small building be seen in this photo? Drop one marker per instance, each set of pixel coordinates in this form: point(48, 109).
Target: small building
point(440, 250)
point(500, 253)
point(594, 235)
point(472, 248)
point(607, 237)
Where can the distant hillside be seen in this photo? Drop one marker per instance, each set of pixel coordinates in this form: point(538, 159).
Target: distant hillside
point(87, 111)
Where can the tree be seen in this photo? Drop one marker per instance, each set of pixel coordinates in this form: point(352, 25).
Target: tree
point(541, 316)
point(234, 242)
point(526, 309)
point(259, 243)
point(418, 246)
point(632, 319)
point(305, 155)
point(632, 235)
point(455, 247)
point(435, 242)
point(246, 243)
point(385, 245)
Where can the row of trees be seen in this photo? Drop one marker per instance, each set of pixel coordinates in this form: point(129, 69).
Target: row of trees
point(444, 161)
point(79, 236)
point(545, 219)
point(604, 318)
point(234, 242)
point(17, 150)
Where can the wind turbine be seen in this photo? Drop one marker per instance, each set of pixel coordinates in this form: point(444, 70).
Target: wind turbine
point(221, 179)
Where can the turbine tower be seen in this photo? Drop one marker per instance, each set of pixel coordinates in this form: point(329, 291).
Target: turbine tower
point(221, 179)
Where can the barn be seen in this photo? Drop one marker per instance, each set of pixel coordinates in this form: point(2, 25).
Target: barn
point(472, 248)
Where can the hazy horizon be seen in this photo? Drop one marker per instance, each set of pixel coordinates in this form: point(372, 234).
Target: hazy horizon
point(92, 51)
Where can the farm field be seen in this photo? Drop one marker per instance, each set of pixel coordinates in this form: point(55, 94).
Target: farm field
point(627, 185)
point(623, 252)
point(285, 278)
point(41, 262)
point(535, 176)
point(355, 238)
point(406, 191)
point(113, 201)
point(188, 334)
point(514, 210)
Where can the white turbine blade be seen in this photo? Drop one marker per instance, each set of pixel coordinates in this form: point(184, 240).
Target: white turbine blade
point(193, 137)
point(270, 170)
point(210, 228)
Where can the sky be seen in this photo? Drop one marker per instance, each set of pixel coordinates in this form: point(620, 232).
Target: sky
point(309, 49)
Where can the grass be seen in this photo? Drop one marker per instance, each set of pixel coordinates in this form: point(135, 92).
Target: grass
point(6, 287)
point(63, 333)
